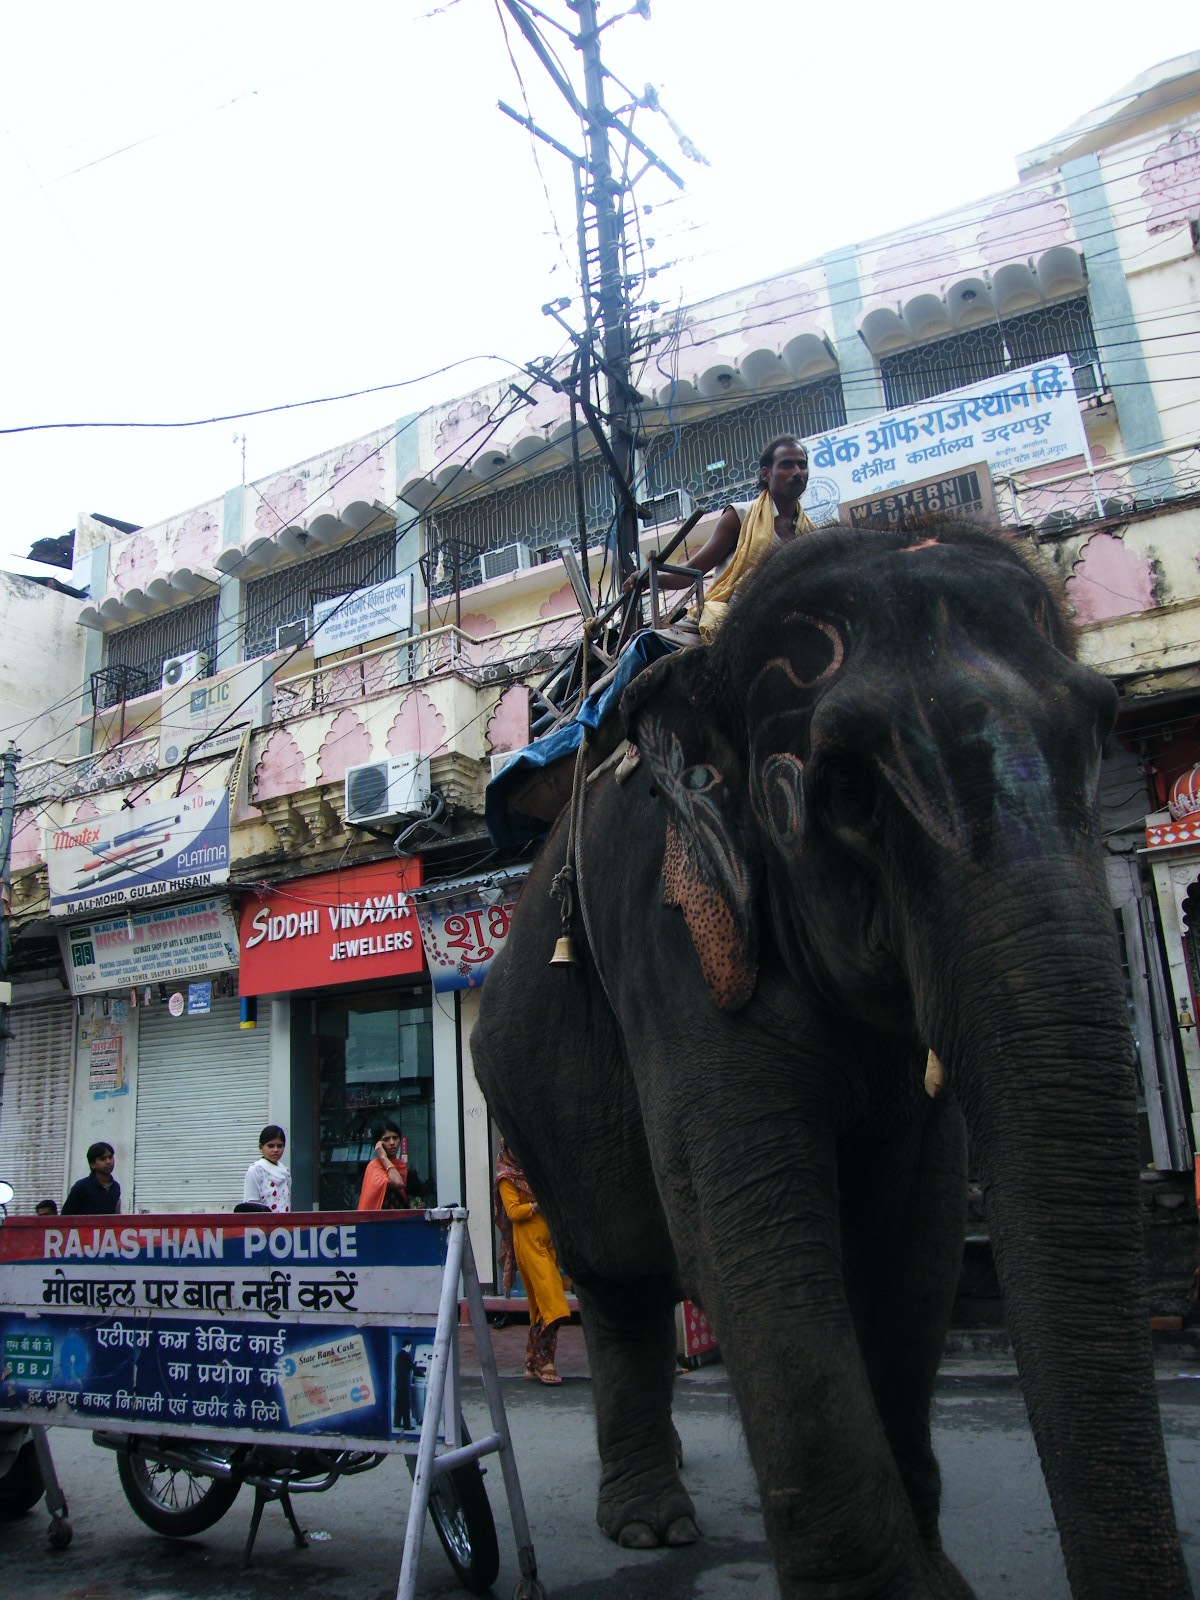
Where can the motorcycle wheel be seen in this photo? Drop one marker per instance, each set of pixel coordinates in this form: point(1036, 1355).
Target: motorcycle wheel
point(21, 1487)
point(172, 1500)
point(462, 1516)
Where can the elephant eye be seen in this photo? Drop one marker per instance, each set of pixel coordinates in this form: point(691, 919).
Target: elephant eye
point(698, 779)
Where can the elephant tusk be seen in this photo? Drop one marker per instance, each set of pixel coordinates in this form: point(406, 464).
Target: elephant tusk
point(935, 1076)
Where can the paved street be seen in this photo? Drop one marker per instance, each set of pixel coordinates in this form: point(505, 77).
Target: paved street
point(997, 1519)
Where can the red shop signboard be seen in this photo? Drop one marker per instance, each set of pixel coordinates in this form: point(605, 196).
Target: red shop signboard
point(332, 928)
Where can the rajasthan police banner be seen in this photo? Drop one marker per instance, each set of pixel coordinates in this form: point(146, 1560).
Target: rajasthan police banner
point(1022, 419)
point(226, 1327)
point(145, 853)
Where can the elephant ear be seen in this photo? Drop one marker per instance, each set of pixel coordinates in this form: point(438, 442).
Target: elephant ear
point(710, 865)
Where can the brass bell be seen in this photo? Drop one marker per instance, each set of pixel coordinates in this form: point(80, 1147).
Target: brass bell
point(564, 952)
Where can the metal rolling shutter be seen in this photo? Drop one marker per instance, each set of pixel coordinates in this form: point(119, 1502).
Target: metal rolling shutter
point(37, 1093)
point(201, 1104)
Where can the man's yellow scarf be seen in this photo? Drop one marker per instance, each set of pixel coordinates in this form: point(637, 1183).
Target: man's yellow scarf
point(755, 539)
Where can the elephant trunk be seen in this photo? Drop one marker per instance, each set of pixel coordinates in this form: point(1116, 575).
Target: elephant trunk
point(1041, 1064)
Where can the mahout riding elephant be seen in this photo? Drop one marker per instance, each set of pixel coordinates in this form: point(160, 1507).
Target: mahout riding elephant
point(857, 863)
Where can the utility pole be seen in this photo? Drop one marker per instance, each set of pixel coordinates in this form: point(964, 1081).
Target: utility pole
point(8, 803)
point(601, 206)
point(608, 204)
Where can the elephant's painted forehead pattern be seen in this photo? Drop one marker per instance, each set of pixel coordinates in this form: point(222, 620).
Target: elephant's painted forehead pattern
point(812, 651)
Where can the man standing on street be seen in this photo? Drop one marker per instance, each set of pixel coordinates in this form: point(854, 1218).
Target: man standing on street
point(99, 1194)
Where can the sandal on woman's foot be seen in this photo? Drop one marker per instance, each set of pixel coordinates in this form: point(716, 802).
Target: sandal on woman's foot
point(549, 1374)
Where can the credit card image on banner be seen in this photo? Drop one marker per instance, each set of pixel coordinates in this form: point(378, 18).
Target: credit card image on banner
point(327, 1380)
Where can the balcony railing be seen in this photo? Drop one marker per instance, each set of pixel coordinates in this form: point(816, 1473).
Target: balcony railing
point(1108, 490)
point(499, 658)
point(123, 763)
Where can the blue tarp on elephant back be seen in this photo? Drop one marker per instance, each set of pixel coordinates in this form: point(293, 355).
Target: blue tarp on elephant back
point(510, 828)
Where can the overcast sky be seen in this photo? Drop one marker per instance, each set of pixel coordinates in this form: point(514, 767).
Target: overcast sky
point(218, 208)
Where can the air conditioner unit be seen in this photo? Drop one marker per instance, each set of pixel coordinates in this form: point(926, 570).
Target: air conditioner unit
point(291, 635)
point(183, 669)
point(385, 791)
point(508, 558)
point(674, 506)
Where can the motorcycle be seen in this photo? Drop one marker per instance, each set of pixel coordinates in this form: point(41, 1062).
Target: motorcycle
point(180, 1487)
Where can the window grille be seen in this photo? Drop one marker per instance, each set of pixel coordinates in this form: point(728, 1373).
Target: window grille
point(708, 459)
point(910, 376)
point(146, 645)
point(716, 457)
point(288, 595)
point(537, 512)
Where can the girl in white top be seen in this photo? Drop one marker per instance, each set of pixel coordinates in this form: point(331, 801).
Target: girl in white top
point(268, 1181)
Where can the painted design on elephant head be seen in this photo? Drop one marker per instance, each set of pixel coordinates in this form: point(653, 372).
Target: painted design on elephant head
point(782, 800)
point(728, 972)
point(707, 865)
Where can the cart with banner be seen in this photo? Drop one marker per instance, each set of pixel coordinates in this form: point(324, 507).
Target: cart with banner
point(276, 1351)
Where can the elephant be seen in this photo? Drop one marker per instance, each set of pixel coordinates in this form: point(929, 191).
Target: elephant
point(848, 905)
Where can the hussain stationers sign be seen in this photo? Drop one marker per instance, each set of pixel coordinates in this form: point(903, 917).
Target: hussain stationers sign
point(332, 928)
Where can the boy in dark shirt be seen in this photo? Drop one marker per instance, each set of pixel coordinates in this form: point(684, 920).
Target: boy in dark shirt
point(99, 1194)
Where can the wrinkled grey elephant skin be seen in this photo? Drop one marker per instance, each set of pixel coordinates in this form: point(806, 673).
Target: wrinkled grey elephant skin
point(863, 828)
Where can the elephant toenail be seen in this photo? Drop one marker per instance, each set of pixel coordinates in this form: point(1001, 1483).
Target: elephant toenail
point(682, 1531)
point(638, 1536)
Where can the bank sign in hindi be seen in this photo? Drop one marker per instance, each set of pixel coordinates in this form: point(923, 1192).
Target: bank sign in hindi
point(358, 618)
point(320, 1325)
point(151, 946)
point(1022, 419)
point(141, 854)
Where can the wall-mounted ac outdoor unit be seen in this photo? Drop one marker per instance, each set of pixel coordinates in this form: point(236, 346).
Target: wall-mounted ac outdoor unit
point(385, 791)
point(673, 506)
point(508, 558)
point(291, 635)
point(183, 669)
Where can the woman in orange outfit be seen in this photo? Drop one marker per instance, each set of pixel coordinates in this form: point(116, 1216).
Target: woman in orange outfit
point(525, 1238)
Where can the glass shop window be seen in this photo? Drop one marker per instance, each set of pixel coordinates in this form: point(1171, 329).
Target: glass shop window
point(374, 1059)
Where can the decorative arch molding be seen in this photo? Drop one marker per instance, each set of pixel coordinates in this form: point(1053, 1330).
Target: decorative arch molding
point(280, 768)
point(561, 603)
point(26, 849)
point(345, 745)
point(1109, 580)
point(479, 625)
point(418, 725)
point(508, 726)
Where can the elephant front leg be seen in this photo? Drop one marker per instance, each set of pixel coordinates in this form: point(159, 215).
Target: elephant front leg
point(630, 1332)
point(837, 1510)
point(903, 1220)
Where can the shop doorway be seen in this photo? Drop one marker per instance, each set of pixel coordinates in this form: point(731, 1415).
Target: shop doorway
point(374, 1059)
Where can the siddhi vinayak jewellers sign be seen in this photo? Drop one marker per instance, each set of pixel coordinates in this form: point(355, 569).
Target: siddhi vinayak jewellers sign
point(335, 927)
point(1018, 420)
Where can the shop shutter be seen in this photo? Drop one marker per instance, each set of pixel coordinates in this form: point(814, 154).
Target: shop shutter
point(201, 1104)
point(37, 1092)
